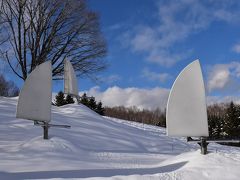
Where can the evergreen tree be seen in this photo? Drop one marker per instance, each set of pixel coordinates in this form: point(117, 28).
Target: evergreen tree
point(92, 103)
point(60, 99)
point(84, 100)
point(215, 126)
point(232, 121)
point(69, 99)
point(100, 110)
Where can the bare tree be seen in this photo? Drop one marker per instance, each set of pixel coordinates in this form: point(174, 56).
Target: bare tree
point(35, 31)
point(155, 117)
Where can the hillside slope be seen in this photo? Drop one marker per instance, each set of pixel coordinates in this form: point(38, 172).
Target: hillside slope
point(99, 147)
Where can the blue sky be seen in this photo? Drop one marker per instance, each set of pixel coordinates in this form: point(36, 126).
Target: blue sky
point(151, 41)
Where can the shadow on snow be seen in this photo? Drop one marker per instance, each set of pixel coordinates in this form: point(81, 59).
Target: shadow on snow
point(90, 172)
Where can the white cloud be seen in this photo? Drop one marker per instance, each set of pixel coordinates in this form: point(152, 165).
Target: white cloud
point(144, 39)
point(153, 76)
point(166, 58)
point(176, 21)
point(141, 98)
point(219, 77)
point(144, 98)
point(222, 99)
point(223, 76)
point(116, 26)
point(110, 79)
point(236, 48)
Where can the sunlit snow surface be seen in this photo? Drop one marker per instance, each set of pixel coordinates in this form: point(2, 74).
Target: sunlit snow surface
point(103, 148)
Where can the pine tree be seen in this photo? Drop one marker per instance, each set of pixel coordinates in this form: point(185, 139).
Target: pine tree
point(100, 110)
point(232, 121)
point(84, 100)
point(92, 103)
point(60, 99)
point(69, 99)
point(215, 126)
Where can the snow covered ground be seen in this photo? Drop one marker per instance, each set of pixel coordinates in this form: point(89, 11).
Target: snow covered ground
point(103, 148)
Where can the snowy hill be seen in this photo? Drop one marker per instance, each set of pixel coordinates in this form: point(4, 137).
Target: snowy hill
point(103, 148)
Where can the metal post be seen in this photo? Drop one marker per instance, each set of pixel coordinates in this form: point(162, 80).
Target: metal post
point(203, 142)
point(45, 130)
point(203, 145)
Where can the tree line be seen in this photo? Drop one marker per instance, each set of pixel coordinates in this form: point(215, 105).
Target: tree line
point(155, 117)
point(90, 102)
point(224, 121)
point(223, 118)
point(8, 88)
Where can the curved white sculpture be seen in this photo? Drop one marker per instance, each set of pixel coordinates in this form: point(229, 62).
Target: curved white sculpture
point(70, 79)
point(35, 98)
point(186, 107)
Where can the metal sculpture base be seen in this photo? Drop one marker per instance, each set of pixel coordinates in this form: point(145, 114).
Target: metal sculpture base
point(203, 142)
point(46, 126)
point(45, 132)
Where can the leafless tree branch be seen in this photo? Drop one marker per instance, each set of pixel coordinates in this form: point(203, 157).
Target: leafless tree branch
point(36, 31)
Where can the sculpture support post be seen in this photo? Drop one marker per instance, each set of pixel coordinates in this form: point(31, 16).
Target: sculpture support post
point(45, 130)
point(46, 126)
point(203, 145)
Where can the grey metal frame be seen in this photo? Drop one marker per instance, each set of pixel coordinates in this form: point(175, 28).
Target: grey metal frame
point(46, 126)
point(203, 142)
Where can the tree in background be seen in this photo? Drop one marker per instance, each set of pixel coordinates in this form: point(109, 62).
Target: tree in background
point(3, 86)
point(13, 90)
point(8, 88)
point(216, 113)
point(224, 122)
point(92, 103)
point(99, 109)
point(232, 121)
point(69, 99)
point(60, 99)
point(84, 100)
point(35, 31)
point(215, 126)
point(153, 117)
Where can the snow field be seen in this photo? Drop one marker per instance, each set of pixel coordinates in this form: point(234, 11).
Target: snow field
point(103, 148)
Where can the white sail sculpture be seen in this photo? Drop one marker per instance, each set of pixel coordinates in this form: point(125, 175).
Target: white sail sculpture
point(70, 79)
point(35, 98)
point(186, 108)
